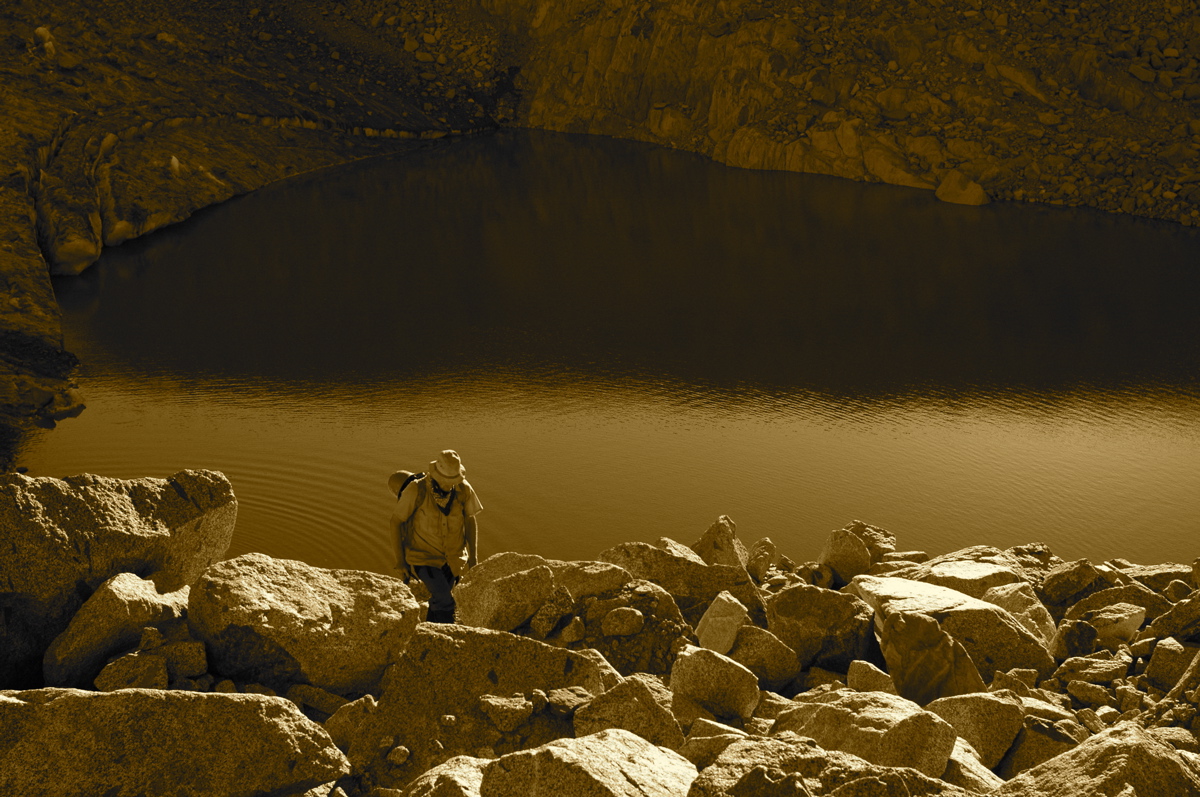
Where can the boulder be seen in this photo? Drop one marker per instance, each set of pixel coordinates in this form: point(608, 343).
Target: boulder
point(583, 579)
point(989, 721)
point(633, 706)
point(431, 701)
point(1091, 695)
point(66, 537)
point(279, 622)
point(791, 766)
point(1019, 600)
point(1168, 662)
point(108, 622)
point(1101, 667)
point(505, 603)
point(650, 647)
point(1070, 583)
point(846, 555)
point(1136, 594)
point(716, 682)
point(880, 542)
point(971, 571)
point(1179, 738)
point(460, 776)
point(966, 770)
point(719, 545)
point(924, 661)
point(1177, 590)
point(990, 635)
point(612, 763)
point(863, 676)
point(765, 655)
point(1157, 577)
point(881, 728)
point(555, 614)
point(718, 628)
point(343, 723)
point(825, 628)
point(1073, 638)
point(764, 555)
point(133, 671)
point(692, 583)
point(1035, 558)
point(1038, 741)
point(959, 189)
point(1115, 625)
point(1181, 621)
point(58, 742)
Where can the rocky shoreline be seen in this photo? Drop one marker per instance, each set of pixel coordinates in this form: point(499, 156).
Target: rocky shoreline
point(130, 118)
point(138, 660)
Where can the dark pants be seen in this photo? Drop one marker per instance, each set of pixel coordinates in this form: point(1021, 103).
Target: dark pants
point(440, 581)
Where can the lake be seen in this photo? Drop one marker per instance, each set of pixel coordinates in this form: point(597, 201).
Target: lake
point(624, 342)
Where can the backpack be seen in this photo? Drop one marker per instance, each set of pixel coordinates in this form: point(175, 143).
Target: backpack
point(404, 532)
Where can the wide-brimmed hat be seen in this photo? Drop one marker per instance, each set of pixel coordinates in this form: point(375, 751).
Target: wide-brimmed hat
point(448, 469)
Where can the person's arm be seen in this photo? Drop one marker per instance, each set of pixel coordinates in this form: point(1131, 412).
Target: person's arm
point(471, 531)
point(401, 547)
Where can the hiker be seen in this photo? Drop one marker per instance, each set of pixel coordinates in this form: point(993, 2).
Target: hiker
point(435, 529)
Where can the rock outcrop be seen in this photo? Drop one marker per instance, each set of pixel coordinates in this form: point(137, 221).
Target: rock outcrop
point(71, 743)
point(66, 537)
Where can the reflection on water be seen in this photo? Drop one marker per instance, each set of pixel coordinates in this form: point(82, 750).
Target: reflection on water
point(624, 342)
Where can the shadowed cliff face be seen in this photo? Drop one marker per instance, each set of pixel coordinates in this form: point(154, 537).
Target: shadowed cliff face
point(1094, 105)
point(129, 117)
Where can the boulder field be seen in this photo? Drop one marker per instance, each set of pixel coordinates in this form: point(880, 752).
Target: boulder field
point(125, 117)
point(138, 660)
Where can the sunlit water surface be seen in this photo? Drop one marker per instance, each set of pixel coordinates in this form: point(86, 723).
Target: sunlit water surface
point(625, 342)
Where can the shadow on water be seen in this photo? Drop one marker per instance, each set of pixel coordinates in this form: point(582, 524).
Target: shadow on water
point(526, 249)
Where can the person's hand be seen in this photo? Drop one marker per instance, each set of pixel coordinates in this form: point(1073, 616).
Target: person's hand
point(405, 572)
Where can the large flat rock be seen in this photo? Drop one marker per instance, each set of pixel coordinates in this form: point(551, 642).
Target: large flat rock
point(134, 742)
point(279, 622)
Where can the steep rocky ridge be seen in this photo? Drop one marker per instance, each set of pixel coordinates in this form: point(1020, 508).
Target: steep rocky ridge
point(127, 117)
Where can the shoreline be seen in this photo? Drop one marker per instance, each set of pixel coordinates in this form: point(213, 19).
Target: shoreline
point(976, 672)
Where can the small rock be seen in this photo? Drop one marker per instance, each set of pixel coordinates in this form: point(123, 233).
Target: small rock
point(863, 676)
point(623, 621)
point(506, 713)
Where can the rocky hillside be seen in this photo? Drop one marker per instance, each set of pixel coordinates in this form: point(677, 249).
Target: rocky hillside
point(137, 660)
point(129, 116)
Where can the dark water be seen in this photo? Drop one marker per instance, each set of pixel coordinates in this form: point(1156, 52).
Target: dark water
point(624, 342)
